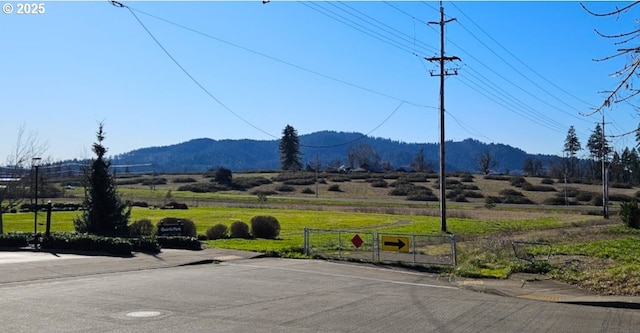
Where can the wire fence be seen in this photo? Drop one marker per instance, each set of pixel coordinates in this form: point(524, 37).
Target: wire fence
point(373, 246)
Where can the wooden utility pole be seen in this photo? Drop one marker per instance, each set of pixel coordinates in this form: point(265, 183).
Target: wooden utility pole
point(605, 174)
point(442, 59)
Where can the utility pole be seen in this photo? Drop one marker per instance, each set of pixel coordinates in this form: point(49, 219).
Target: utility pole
point(605, 174)
point(442, 59)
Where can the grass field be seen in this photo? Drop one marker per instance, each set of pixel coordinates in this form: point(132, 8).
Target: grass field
point(596, 253)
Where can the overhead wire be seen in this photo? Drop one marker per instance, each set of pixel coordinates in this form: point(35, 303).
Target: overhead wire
point(224, 106)
point(521, 62)
point(416, 104)
point(357, 26)
point(544, 119)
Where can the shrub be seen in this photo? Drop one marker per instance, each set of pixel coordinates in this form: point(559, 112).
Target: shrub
point(619, 197)
point(85, 242)
point(596, 199)
point(147, 245)
point(585, 196)
point(379, 183)
point(249, 182)
point(340, 179)
point(301, 181)
point(181, 243)
point(401, 189)
point(142, 204)
point(518, 181)
point(461, 198)
point(489, 202)
point(517, 200)
point(154, 181)
point(188, 226)
point(497, 177)
point(334, 188)
point(198, 188)
point(223, 176)
point(473, 194)
point(537, 188)
point(547, 181)
point(630, 214)
point(175, 205)
point(556, 201)
point(511, 193)
point(308, 191)
point(218, 231)
point(239, 229)
point(142, 227)
point(14, 240)
point(184, 180)
point(265, 226)
point(466, 178)
point(420, 193)
point(285, 188)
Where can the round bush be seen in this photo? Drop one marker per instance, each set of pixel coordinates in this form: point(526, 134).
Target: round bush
point(547, 181)
point(141, 228)
point(265, 226)
point(379, 183)
point(308, 191)
point(239, 229)
point(334, 188)
point(511, 193)
point(218, 231)
point(286, 188)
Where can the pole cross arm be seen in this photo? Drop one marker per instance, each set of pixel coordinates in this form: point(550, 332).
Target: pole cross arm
point(443, 58)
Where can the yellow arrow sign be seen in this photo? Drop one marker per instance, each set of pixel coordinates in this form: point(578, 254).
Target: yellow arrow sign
point(397, 244)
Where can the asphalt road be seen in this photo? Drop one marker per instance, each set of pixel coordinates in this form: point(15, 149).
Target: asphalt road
point(276, 295)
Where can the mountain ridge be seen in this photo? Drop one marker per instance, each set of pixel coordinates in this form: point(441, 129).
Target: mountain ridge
point(201, 154)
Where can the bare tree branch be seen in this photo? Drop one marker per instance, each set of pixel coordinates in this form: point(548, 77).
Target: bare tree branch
point(617, 11)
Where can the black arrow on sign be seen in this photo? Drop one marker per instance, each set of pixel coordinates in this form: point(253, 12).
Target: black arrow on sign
point(400, 244)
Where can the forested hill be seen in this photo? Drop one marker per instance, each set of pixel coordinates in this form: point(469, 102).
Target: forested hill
point(327, 147)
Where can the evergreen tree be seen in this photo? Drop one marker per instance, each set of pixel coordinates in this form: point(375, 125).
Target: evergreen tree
point(104, 211)
point(597, 144)
point(572, 146)
point(290, 150)
point(598, 149)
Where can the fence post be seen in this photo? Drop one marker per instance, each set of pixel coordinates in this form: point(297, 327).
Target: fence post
point(413, 247)
point(375, 248)
point(305, 242)
point(455, 250)
point(339, 245)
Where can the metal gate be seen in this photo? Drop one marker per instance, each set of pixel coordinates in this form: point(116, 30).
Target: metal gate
point(373, 246)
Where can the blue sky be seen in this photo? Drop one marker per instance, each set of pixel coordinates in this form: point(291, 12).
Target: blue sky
point(526, 75)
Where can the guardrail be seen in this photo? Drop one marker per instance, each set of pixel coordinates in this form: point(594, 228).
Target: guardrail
point(373, 246)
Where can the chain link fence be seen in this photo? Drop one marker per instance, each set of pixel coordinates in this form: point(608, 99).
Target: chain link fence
point(373, 246)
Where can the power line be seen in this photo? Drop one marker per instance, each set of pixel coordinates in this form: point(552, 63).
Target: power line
point(520, 61)
point(357, 26)
point(117, 4)
point(283, 61)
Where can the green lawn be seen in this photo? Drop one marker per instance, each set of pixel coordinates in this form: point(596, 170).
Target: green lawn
point(293, 222)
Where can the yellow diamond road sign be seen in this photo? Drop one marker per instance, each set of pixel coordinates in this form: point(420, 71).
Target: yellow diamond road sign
point(397, 244)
